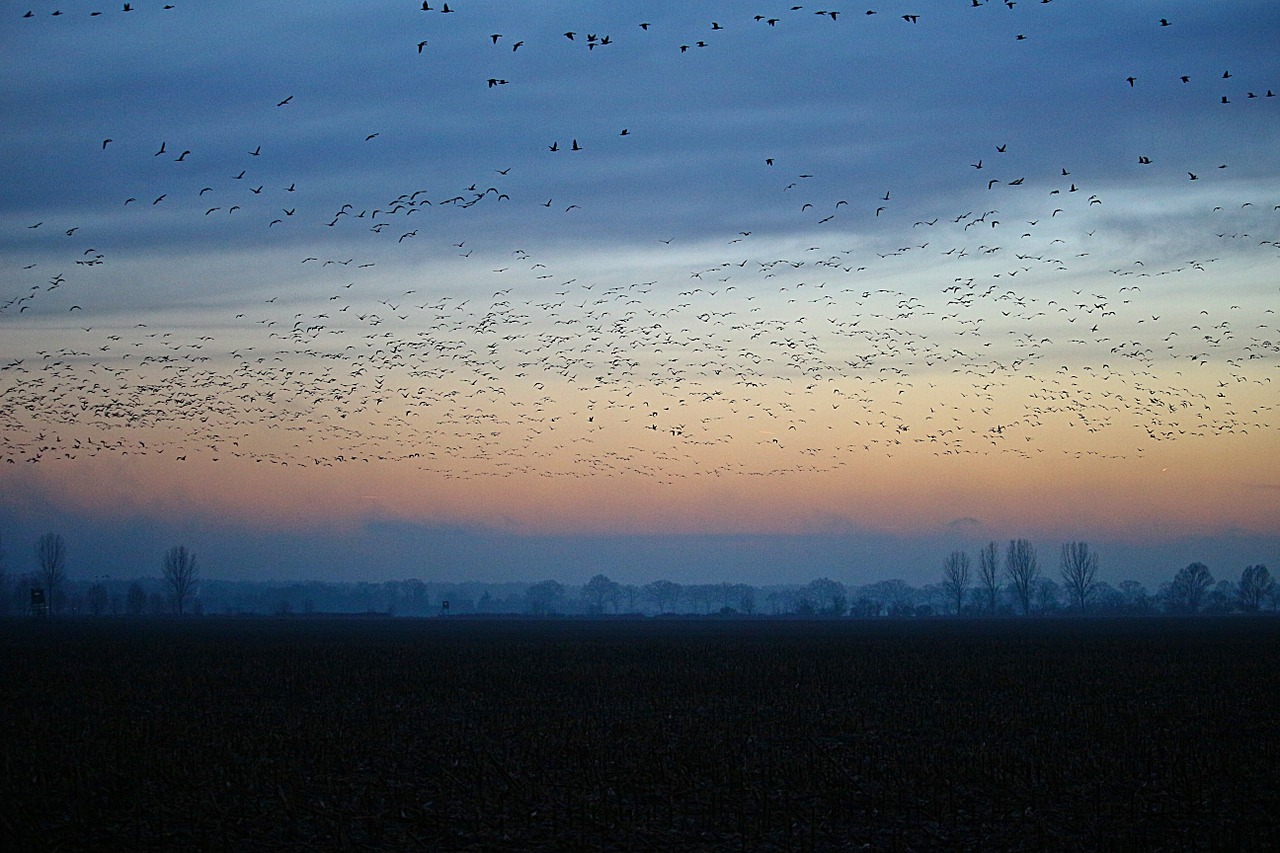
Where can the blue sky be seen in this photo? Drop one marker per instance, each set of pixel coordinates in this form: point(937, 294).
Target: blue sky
point(851, 272)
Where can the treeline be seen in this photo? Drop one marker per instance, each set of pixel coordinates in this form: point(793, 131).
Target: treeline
point(1001, 581)
point(1014, 578)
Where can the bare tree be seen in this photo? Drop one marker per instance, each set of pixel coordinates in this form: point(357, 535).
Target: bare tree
point(1079, 570)
point(630, 594)
point(830, 598)
point(51, 554)
point(955, 576)
point(1255, 586)
point(663, 593)
point(542, 597)
point(136, 599)
point(1022, 569)
point(989, 574)
point(1047, 595)
point(1188, 588)
point(600, 591)
point(98, 598)
point(699, 595)
point(180, 573)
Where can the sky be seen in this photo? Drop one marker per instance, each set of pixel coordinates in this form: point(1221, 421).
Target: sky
point(715, 291)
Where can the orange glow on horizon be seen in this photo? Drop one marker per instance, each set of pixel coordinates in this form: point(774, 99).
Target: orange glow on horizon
point(1183, 488)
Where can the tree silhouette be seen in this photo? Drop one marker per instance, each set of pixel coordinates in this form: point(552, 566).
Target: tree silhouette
point(1048, 595)
point(51, 555)
point(1188, 588)
point(700, 595)
point(98, 598)
point(1022, 569)
point(541, 598)
point(1079, 570)
point(829, 597)
point(955, 577)
point(745, 595)
point(1255, 586)
point(663, 593)
point(600, 591)
point(180, 573)
point(989, 574)
point(136, 599)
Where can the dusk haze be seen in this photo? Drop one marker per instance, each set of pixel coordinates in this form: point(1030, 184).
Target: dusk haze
point(618, 276)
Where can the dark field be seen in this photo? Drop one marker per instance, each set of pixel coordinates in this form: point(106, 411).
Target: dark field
point(655, 735)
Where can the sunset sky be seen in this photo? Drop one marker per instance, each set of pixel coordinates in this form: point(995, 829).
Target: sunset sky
point(710, 291)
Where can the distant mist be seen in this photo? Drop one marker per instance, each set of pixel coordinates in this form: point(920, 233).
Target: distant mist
point(384, 550)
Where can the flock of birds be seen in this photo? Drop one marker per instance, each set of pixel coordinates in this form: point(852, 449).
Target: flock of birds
point(399, 328)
